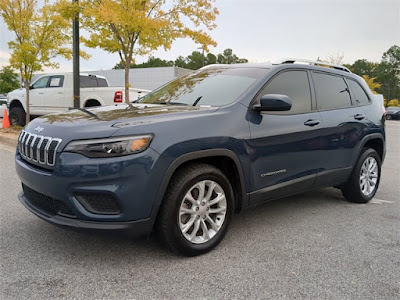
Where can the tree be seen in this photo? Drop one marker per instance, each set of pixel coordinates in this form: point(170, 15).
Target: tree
point(120, 65)
point(195, 61)
point(152, 62)
point(137, 27)
point(363, 67)
point(336, 59)
point(180, 62)
point(388, 73)
point(40, 35)
point(227, 57)
point(393, 102)
point(211, 59)
point(371, 83)
point(8, 80)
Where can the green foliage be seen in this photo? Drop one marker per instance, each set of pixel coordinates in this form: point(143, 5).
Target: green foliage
point(193, 61)
point(152, 62)
point(41, 34)
point(8, 80)
point(137, 27)
point(385, 74)
point(393, 102)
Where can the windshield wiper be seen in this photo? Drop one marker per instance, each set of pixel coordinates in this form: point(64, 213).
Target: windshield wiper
point(197, 101)
point(171, 103)
point(85, 111)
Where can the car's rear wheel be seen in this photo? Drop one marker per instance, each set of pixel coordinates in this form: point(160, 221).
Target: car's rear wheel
point(17, 116)
point(364, 180)
point(388, 117)
point(197, 210)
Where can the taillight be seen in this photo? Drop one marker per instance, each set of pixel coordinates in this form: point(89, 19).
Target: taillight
point(118, 97)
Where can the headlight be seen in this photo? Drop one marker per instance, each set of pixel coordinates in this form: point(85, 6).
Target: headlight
point(110, 147)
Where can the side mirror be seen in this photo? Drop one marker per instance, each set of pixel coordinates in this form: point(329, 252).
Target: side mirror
point(274, 102)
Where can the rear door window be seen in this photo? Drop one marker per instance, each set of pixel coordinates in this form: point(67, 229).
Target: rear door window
point(360, 96)
point(88, 81)
point(331, 91)
point(294, 84)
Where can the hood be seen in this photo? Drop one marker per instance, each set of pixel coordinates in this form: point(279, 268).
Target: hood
point(106, 120)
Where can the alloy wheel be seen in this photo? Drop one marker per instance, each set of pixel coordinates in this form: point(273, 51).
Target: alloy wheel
point(202, 211)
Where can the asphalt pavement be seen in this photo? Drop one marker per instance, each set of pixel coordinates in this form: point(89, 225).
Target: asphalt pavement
point(310, 246)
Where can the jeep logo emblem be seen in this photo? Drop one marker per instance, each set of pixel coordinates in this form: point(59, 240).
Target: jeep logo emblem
point(39, 129)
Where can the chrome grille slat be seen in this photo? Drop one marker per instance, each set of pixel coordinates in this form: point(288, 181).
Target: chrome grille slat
point(42, 149)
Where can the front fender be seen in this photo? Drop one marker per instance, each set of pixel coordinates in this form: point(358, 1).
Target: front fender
point(174, 165)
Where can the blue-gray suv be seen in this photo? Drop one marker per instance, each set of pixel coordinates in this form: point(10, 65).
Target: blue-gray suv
point(183, 159)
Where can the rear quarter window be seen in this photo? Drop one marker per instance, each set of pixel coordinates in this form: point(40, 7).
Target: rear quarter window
point(332, 91)
point(101, 82)
point(360, 96)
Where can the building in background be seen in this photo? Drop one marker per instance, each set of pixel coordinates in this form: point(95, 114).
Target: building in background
point(143, 78)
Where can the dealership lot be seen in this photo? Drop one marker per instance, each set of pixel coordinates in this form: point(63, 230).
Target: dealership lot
point(310, 246)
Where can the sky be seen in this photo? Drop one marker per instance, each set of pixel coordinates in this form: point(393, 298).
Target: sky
point(269, 30)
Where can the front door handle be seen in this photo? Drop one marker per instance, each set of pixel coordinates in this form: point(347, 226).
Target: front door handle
point(312, 122)
point(359, 117)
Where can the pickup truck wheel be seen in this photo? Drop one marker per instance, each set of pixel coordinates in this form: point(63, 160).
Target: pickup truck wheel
point(364, 180)
point(196, 211)
point(17, 116)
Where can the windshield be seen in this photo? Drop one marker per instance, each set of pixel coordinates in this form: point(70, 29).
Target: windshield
point(210, 87)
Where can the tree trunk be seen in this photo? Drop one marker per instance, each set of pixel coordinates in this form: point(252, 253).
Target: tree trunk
point(27, 111)
point(127, 82)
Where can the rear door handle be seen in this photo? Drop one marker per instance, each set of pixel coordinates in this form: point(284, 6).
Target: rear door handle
point(312, 122)
point(359, 117)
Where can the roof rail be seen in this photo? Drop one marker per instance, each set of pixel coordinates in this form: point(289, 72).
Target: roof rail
point(312, 63)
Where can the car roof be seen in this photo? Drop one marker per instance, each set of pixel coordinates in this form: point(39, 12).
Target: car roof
point(286, 66)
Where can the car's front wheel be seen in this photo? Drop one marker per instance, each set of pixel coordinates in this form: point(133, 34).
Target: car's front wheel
point(364, 180)
point(388, 117)
point(196, 210)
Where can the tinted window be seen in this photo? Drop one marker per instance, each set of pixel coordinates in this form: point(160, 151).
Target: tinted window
point(295, 85)
point(88, 81)
point(331, 91)
point(213, 86)
point(56, 81)
point(101, 82)
point(41, 82)
point(359, 94)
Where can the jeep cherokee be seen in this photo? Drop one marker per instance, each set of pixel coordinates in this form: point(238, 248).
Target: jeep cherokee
point(184, 158)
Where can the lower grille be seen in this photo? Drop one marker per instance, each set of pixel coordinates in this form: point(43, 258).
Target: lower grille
point(46, 203)
point(103, 204)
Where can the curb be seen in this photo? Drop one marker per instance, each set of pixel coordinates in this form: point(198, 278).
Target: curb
point(9, 141)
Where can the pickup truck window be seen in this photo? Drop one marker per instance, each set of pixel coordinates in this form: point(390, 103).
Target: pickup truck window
point(56, 81)
point(101, 82)
point(41, 82)
point(88, 81)
point(214, 87)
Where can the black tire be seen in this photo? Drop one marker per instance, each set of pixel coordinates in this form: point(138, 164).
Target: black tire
point(351, 190)
point(388, 117)
point(17, 116)
point(167, 225)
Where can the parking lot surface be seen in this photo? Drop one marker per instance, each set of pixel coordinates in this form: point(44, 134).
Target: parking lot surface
point(310, 246)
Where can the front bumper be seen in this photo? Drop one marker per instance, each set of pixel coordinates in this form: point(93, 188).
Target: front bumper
point(132, 180)
point(132, 229)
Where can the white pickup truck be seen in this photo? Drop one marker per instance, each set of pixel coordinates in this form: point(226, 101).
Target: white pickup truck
point(54, 93)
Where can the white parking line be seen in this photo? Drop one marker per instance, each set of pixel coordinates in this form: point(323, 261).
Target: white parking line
point(380, 201)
